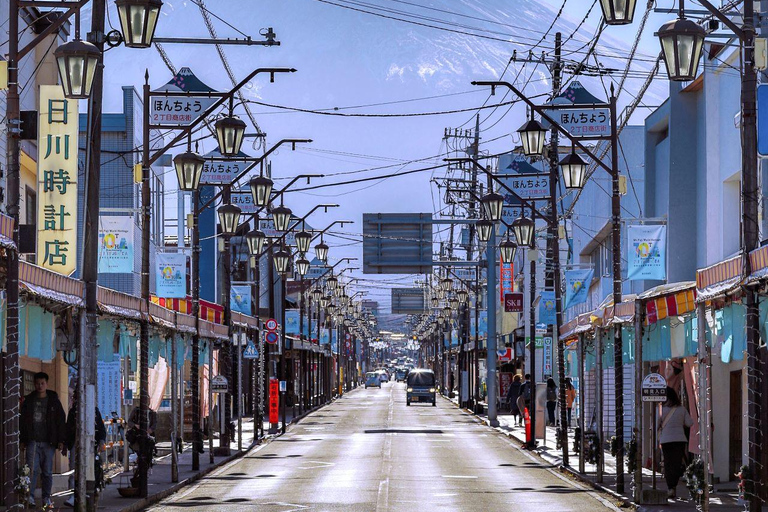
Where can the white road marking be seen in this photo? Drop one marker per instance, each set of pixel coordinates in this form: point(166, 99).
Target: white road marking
point(382, 499)
point(459, 476)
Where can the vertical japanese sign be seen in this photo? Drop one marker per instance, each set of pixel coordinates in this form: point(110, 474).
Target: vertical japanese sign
point(546, 367)
point(274, 401)
point(240, 298)
point(577, 286)
point(506, 278)
point(57, 181)
point(647, 252)
point(171, 275)
point(115, 244)
point(547, 308)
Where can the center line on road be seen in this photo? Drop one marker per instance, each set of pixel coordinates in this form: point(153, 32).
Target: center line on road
point(459, 476)
point(382, 500)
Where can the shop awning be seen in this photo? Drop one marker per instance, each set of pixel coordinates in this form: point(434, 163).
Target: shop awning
point(719, 279)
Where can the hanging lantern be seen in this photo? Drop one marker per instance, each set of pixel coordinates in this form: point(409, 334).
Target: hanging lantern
point(77, 61)
point(524, 229)
point(281, 216)
point(189, 169)
point(574, 171)
point(282, 261)
point(302, 266)
point(321, 251)
point(229, 218)
point(446, 284)
point(618, 12)
point(138, 20)
point(532, 137)
point(317, 293)
point(493, 204)
point(454, 302)
point(435, 301)
point(681, 43)
point(462, 295)
point(303, 239)
point(507, 248)
point(261, 190)
point(484, 228)
point(325, 301)
point(229, 134)
point(255, 240)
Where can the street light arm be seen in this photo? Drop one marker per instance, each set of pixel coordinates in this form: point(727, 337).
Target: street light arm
point(539, 110)
point(301, 219)
point(717, 13)
point(50, 29)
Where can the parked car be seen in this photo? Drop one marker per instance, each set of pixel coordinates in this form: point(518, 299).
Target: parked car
point(372, 379)
point(420, 387)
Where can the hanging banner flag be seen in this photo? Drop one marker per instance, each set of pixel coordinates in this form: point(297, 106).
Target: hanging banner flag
point(57, 181)
point(324, 335)
point(291, 321)
point(171, 275)
point(547, 308)
point(506, 278)
point(240, 298)
point(647, 252)
point(116, 245)
point(577, 286)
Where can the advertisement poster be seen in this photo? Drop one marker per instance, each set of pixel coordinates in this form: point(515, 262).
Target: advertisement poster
point(171, 275)
point(647, 252)
point(547, 308)
point(292, 321)
point(240, 298)
point(577, 286)
point(116, 245)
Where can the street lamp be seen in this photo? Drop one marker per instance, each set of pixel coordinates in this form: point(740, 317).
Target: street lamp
point(618, 12)
point(524, 228)
point(77, 62)
point(282, 217)
point(229, 134)
point(302, 266)
point(303, 239)
point(681, 42)
point(435, 301)
point(462, 295)
point(189, 169)
point(484, 228)
point(446, 284)
point(493, 204)
point(138, 20)
point(332, 283)
point(317, 293)
point(255, 240)
point(325, 301)
point(574, 171)
point(454, 302)
point(532, 135)
point(229, 218)
point(321, 251)
point(261, 190)
point(507, 248)
point(282, 261)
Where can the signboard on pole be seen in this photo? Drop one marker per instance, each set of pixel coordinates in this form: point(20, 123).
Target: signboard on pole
point(528, 186)
point(57, 181)
point(271, 337)
point(505, 354)
point(268, 227)
point(180, 110)
point(547, 308)
point(546, 367)
point(577, 283)
point(513, 302)
point(647, 252)
point(115, 244)
point(274, 401)
point(589, 117)
point(243, 199)
point(171, 275)
point(654, 388)
point(240, 298)
point(216, 172)
point(251, 352)
point(397, 243)
point(271, 324)
point(407, 301)
point(219, 384)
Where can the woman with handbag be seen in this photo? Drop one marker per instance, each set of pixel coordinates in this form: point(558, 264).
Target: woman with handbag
point(674, 442)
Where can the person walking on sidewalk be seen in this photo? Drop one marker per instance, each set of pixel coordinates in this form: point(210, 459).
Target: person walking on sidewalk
point(673, 440)
point(69, 445)
point(41, 433)
point(551, 401)
point(512, 395)
point(524, 398)
point(570, 398)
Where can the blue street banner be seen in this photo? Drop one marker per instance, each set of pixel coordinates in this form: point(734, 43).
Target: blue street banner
point(115, 244)
point(291, 321)
point(647, 252)
point(240, 298)
point(334, 339)
point(577, 286)
point(171, 275)
point(547, 308)
point(482, 318)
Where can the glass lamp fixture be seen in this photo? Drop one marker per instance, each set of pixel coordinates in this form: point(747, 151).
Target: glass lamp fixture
point(302, 266)
point(507, 248)
point(618, 12)
point(303, 239)
point(524, 229)
point(574, 171)
point(493, 204)
point(77, 61)
point(681, 42)
point(255, 240)
point(189, 169)
point(484, 228)
point(532, 137)
point(138, 20)
point(229, 134)
point(281, 216)
point(229, 218)
point(282, 260)
point(261, 190)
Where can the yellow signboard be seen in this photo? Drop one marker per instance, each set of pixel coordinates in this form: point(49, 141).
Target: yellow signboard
point(57, 181)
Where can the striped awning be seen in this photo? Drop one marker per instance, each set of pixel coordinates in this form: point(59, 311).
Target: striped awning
point(719, 279)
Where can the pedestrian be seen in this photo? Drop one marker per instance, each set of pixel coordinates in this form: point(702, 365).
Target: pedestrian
point(570, 398)
point(524, 399)
point(673, 439)
point(42, 427)
point(100, 437)
point(551, 400)
point(513, 393)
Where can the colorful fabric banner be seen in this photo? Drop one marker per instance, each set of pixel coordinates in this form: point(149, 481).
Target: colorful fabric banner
point(647, 252)
point(577, 286)
point(547, 308)
point(240, 298)
point(506, 278)
point(115, 245)
point(171, 275)
point(291, 321)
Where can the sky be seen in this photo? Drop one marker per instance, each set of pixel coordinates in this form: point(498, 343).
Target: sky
point(352, 62)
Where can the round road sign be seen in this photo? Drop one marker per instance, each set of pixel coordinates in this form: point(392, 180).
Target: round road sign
point(271, 337)
point(271, 324)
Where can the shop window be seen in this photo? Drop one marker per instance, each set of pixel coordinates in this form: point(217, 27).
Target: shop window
point(27, 382)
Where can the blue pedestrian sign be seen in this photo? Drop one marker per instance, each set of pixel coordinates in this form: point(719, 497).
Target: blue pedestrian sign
point(251, 352)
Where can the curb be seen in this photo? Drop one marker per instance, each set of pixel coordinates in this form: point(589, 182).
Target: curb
point(624, 502)
point(161, 495)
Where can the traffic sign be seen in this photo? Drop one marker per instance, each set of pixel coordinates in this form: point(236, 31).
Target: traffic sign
point(271, 337)
point(654, 388)
point(513, 302)
point(505, 354)
point(219, 384)
point(271, 324)
point(251, 352)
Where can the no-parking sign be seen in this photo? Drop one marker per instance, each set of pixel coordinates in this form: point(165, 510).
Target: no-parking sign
point(271, 337)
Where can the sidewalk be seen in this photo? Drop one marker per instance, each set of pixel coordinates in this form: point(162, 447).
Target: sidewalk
point(723, 499)
point(160, 484)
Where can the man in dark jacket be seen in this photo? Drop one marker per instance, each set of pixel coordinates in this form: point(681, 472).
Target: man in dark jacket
point(41, 433)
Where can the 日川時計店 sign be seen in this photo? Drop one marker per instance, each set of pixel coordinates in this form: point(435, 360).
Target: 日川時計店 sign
point(57, 181)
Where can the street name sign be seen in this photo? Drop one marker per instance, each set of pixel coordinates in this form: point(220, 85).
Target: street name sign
point(654, 388)
point(219, 384)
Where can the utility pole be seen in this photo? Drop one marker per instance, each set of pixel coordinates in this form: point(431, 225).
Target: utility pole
point(225, 353)
point(85, 489)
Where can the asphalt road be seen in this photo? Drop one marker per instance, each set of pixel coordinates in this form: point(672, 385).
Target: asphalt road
point(369, 452)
